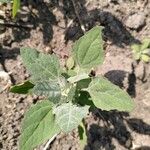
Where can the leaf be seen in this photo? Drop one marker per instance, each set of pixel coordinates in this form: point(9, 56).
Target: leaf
point(50, 90)
point(82, 84)
point(136, 48)
point(88, 50)
point(29, 56)
point(5, 1)
point(71, 73)
point(38, 126)
point(145, 44)
point(70, 63)
point(78, 77)
point(137, 56)
point(16, 7)
point(84, 99)
point(108, 96)
point(42, 67)
point(68, 93)
point(145, 58)
point(22, 88)
point(82, 135)
point(69, 116)
point(83, 96)
point(146, 51)
point(72, 93)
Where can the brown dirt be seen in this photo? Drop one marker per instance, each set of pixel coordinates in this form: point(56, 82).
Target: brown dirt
point(52, 27)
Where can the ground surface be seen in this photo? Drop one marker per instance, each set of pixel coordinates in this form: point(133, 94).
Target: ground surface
point(52, 27)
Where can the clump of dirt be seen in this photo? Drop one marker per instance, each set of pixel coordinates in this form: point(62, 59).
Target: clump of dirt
point(51, 27)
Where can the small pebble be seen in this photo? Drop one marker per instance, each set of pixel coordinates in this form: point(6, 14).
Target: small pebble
point(135, 21)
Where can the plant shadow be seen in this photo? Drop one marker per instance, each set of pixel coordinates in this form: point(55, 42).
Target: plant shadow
point(114, 30)
point(33, 15)
point(6, 53)
point(117, 77)
point(40, 16)
point(76, 15)
point(116, 126)
point(116, 129)
point(143, 148)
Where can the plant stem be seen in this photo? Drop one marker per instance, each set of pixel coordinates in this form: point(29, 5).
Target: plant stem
point(80, 22)
point(49, 142)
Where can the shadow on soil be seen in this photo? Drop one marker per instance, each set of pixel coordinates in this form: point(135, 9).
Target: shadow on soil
point(116, 126)
point(115, 129)
point(40, 14)
point(37, 14)
point(8, 54)
point(33, 14)
point(114, 29)
point(117, 77)
point(143, 148)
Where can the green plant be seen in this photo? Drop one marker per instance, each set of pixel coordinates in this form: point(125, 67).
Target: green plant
point(142, 51)
point(69, 93)
point(15, 7)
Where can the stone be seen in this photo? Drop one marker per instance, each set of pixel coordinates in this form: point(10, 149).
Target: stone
point(135, 21)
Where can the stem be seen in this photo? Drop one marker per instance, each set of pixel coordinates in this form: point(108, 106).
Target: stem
point(49, 142)
point(76, 12)
point(82, 134)
point(14, 25)
point(105, 122)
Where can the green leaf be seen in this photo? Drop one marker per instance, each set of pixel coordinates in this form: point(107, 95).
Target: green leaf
point(22, 88)
point(68, 93)
point(69, 116)
point(82, 135)
point(145, 44)
point(88, 50)
point(136, 48)
point(71, 73)
point(146, 51)
point(16, 7)
point(84, 99)
point(145, 58)
point(5, 1)
point(29, 56)
point(78, 77)
point(82, 84)
point(72, 93)
point(137, 56)
point(83, 96)
point(50, 90)
point(70, 63)
point(38, 126)
point(108, 96)
point(42, 67)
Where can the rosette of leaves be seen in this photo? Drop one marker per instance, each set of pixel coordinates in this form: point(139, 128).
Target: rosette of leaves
point(142, 51)
point(68, 93)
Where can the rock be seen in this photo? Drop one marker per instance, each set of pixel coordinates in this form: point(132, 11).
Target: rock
point(135, 21)
point(5, 80)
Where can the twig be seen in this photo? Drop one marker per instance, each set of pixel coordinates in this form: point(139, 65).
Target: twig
point(11, 24)
point(76, 12)
point(16, 25)
point(105, 122)
point(49, 142)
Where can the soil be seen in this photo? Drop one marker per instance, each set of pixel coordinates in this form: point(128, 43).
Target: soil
point(51, 27)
